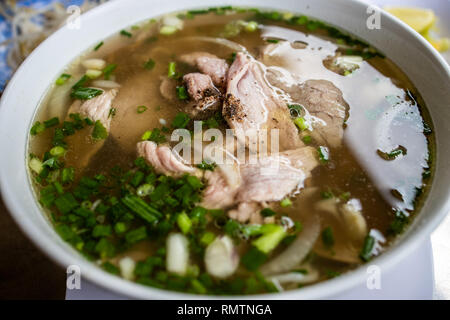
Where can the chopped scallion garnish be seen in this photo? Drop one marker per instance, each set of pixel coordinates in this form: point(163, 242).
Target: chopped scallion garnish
point(141, 109)
point(126, 33)
point(63, 79)
point(182, 93)
point(171, 73)
point(85, 93)
point(150, 64)
point(98, 46)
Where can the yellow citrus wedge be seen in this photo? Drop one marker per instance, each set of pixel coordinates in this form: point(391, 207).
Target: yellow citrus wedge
point(418, 19)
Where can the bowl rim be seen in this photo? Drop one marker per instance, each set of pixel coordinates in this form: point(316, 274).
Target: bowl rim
point(65, 255)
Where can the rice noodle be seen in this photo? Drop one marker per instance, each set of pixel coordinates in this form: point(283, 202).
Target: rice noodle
point(220, 41)
point(296, 277)
point(106, 84)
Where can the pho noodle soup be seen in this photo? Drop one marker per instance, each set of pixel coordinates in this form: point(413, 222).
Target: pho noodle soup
point(231, 151)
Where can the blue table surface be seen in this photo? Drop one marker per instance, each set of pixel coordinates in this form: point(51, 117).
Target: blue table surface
point(5, 34)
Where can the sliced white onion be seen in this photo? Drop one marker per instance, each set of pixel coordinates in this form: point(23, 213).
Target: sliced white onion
point(173, 21)
point(349, 62)
point(354, 221)
point(106, 84)
point(177, 256)
point(127, 266)
point(296, 277)
point(93, 74)
point(328, 205)
point(297, 251)
point(36, 165)
point(221, 258)
point(96, 64)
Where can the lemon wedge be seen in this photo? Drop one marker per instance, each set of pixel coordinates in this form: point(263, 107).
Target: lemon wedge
point(419, 19)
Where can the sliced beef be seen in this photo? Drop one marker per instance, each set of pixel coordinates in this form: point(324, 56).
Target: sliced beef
point(274, 177)
point(199, 86)
point(167, 88)
point(208, 64)
point(251, 104)
point(214, 67)
point(218, 194)
point(324, 100)
point(270, 179)
point(191, 58)
point(97, 108)
point(247, 212)
point(321, 98)
point(162, 159)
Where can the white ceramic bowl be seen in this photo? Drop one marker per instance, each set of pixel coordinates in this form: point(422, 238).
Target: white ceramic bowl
point(416, 57)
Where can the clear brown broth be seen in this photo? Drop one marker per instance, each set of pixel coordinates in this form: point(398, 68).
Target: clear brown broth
point(354, 168)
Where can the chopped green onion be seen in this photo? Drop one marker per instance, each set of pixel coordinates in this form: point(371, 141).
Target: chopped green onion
point(120, 227)
point(307, 139)
point(36, 165)
point(99, 132)
point(126, 33)
point(57, 151)
point(93, 74)
point(66, 203)
point(301, 20)
point(273, 40)
point(327, 237)
point(141, 208)
point(80, 83)
point(51, 122)
point(171, 73)
point(301, 123)
point(67, 175)
point(98, 46)
point(145, 190)
point(207, 166)
point(109, 69)
point(168, 30)
point(324, 154)
point(207, 238)
point(109, 267)
point(63, 79)
point(345, 196)
point(198, 287)
point(296, 107)
point(101, 231)
point(181, 120)
point(141, 109)
point(85, 93)
point(366, 251)
point(184, 222)
point(150, 64)
point(327, 194)
point(267, 212)
point(182, 93)
point(112, 112)
point(37, 128)
point(147, 134)
point(269, 240)
point(286, 202)
point(251, 26)
point(253, 259)
point(136, 235)
point(398, 225)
